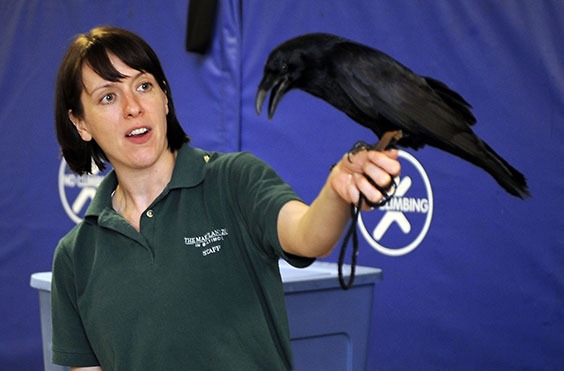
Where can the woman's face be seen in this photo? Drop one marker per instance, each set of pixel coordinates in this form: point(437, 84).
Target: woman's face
point(127, 118)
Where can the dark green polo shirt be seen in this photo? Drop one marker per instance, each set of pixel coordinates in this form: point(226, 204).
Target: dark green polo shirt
point(197, 289)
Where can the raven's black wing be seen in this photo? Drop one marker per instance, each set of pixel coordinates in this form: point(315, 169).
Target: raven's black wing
point(385, 90)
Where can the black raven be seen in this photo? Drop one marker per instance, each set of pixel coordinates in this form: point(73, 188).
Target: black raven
point(383, 95)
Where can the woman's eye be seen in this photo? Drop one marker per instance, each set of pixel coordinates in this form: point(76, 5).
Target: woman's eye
point(145, 86)
point(108, 98)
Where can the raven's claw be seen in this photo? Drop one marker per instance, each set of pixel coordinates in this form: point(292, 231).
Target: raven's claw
point(357, 147)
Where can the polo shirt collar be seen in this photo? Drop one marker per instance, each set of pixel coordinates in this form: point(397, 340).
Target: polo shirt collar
point(189, 167)
point(188, 172)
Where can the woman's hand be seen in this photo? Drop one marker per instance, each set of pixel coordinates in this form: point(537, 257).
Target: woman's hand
point(349, 176)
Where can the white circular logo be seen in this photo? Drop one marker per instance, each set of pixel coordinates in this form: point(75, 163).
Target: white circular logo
point(398, 227)
point(77, 191)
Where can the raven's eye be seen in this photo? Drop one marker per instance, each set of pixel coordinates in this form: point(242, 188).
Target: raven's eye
point(284, 67)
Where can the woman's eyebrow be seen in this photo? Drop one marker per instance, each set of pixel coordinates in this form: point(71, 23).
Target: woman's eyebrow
point(108, 84)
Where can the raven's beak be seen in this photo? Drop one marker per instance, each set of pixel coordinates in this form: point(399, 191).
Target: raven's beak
point(279, 87)
point(259, 100)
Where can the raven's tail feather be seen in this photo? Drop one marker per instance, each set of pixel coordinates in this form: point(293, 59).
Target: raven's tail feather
point(506, 175)
point(470, 147)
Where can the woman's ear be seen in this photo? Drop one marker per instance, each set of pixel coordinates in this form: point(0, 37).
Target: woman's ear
point(80, 126)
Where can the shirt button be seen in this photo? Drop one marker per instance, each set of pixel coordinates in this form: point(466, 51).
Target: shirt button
point(150, 213)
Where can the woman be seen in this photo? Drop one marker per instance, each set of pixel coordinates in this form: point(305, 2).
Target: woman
point(175, 265)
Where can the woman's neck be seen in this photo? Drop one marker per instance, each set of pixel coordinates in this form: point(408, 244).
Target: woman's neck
point(137, 189)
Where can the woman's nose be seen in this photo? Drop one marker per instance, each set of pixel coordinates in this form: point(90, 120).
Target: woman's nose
point(132, 106)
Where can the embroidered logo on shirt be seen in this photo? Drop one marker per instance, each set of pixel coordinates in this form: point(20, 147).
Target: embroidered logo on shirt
point(209, 242)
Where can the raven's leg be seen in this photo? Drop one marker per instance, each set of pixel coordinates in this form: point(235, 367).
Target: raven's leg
point(389, 139)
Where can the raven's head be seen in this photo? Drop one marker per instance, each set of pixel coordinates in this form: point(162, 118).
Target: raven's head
point(288, 67)
point(282, 69)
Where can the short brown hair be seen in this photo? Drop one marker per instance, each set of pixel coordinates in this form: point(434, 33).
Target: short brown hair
point(92, 48)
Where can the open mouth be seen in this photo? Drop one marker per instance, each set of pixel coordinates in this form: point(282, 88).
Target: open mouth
point(138, 132)
point(277, 89)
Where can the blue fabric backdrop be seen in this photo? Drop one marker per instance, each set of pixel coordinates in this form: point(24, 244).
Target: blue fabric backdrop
point(483, 287)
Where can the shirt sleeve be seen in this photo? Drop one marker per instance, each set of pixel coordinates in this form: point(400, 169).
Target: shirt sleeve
point(70, 343)
point(261, 194)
